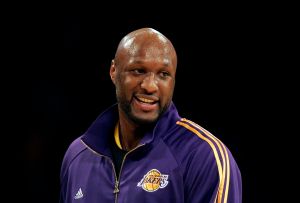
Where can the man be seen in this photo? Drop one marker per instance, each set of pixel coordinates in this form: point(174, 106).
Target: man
point(140, 149)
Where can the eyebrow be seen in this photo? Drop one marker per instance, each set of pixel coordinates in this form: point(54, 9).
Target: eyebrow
point(165, 64)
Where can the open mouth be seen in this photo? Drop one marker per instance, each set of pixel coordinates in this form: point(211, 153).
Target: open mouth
point(146, 103)
point(145, 100)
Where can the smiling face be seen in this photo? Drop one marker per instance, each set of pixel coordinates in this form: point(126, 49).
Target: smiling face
point(143, 72)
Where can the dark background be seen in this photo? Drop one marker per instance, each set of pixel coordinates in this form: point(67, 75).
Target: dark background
point(226, 81)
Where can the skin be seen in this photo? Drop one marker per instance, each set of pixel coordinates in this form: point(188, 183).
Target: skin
point(143, 72)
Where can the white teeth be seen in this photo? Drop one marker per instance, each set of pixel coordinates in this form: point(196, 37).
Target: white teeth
point(145, 100)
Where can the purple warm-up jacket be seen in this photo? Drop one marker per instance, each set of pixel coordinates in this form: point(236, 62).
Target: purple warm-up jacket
point(177, 161)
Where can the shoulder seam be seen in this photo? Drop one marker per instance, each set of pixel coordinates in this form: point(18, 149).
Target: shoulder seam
point(70, 162)
point(171, 151)
point(217, 147)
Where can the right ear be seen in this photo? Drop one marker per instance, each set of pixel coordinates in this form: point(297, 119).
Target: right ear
point(112, 71)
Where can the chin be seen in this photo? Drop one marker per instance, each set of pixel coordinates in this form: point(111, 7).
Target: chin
point(144, 120)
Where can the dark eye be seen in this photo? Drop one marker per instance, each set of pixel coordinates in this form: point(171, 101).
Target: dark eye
point(164, 74)
point(138, 71)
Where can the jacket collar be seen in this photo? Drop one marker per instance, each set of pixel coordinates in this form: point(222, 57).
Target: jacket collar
point(99, 134)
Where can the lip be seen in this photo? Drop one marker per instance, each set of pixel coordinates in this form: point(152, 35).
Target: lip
point(145, 102)
point(146, 98)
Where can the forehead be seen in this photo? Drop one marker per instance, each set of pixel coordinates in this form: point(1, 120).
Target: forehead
point(148, 40)
point(148, 51)
point(147, 47)
point(143, 61)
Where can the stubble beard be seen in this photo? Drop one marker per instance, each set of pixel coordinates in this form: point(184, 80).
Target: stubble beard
point(125, 106)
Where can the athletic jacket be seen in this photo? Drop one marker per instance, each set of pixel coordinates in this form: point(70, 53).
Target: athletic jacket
point(178, 161)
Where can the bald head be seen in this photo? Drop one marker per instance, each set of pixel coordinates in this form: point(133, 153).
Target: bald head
point(146, 43)
point(143, 72)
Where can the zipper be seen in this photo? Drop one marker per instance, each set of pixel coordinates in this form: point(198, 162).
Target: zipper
point(116, 189)
point(117, 179)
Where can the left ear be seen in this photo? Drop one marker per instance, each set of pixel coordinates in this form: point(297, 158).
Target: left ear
point(112, 71)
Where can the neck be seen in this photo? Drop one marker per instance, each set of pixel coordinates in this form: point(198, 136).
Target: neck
point(130, 133)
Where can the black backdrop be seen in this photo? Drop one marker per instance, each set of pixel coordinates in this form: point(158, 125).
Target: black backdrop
point(224, 82)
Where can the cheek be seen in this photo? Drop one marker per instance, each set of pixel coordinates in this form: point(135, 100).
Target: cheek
point(167, 91)
point(125, 85)
point(127, 81)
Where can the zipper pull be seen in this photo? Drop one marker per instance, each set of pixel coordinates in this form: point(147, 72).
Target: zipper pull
point(116, 190)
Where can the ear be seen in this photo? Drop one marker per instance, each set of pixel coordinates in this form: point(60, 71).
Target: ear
point(112, 71)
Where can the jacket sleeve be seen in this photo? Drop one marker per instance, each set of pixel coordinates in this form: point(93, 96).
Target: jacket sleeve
point(74, 149)
point(213, 177)
point(234, 183)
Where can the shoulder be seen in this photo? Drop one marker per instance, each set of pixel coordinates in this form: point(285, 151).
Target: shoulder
point(74, 149)
point(204, 139)
point(191, 142)
point(200, 135)
point(207, 160)
point(188, 135)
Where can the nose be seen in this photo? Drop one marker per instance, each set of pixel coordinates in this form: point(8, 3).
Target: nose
point(149, 83)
